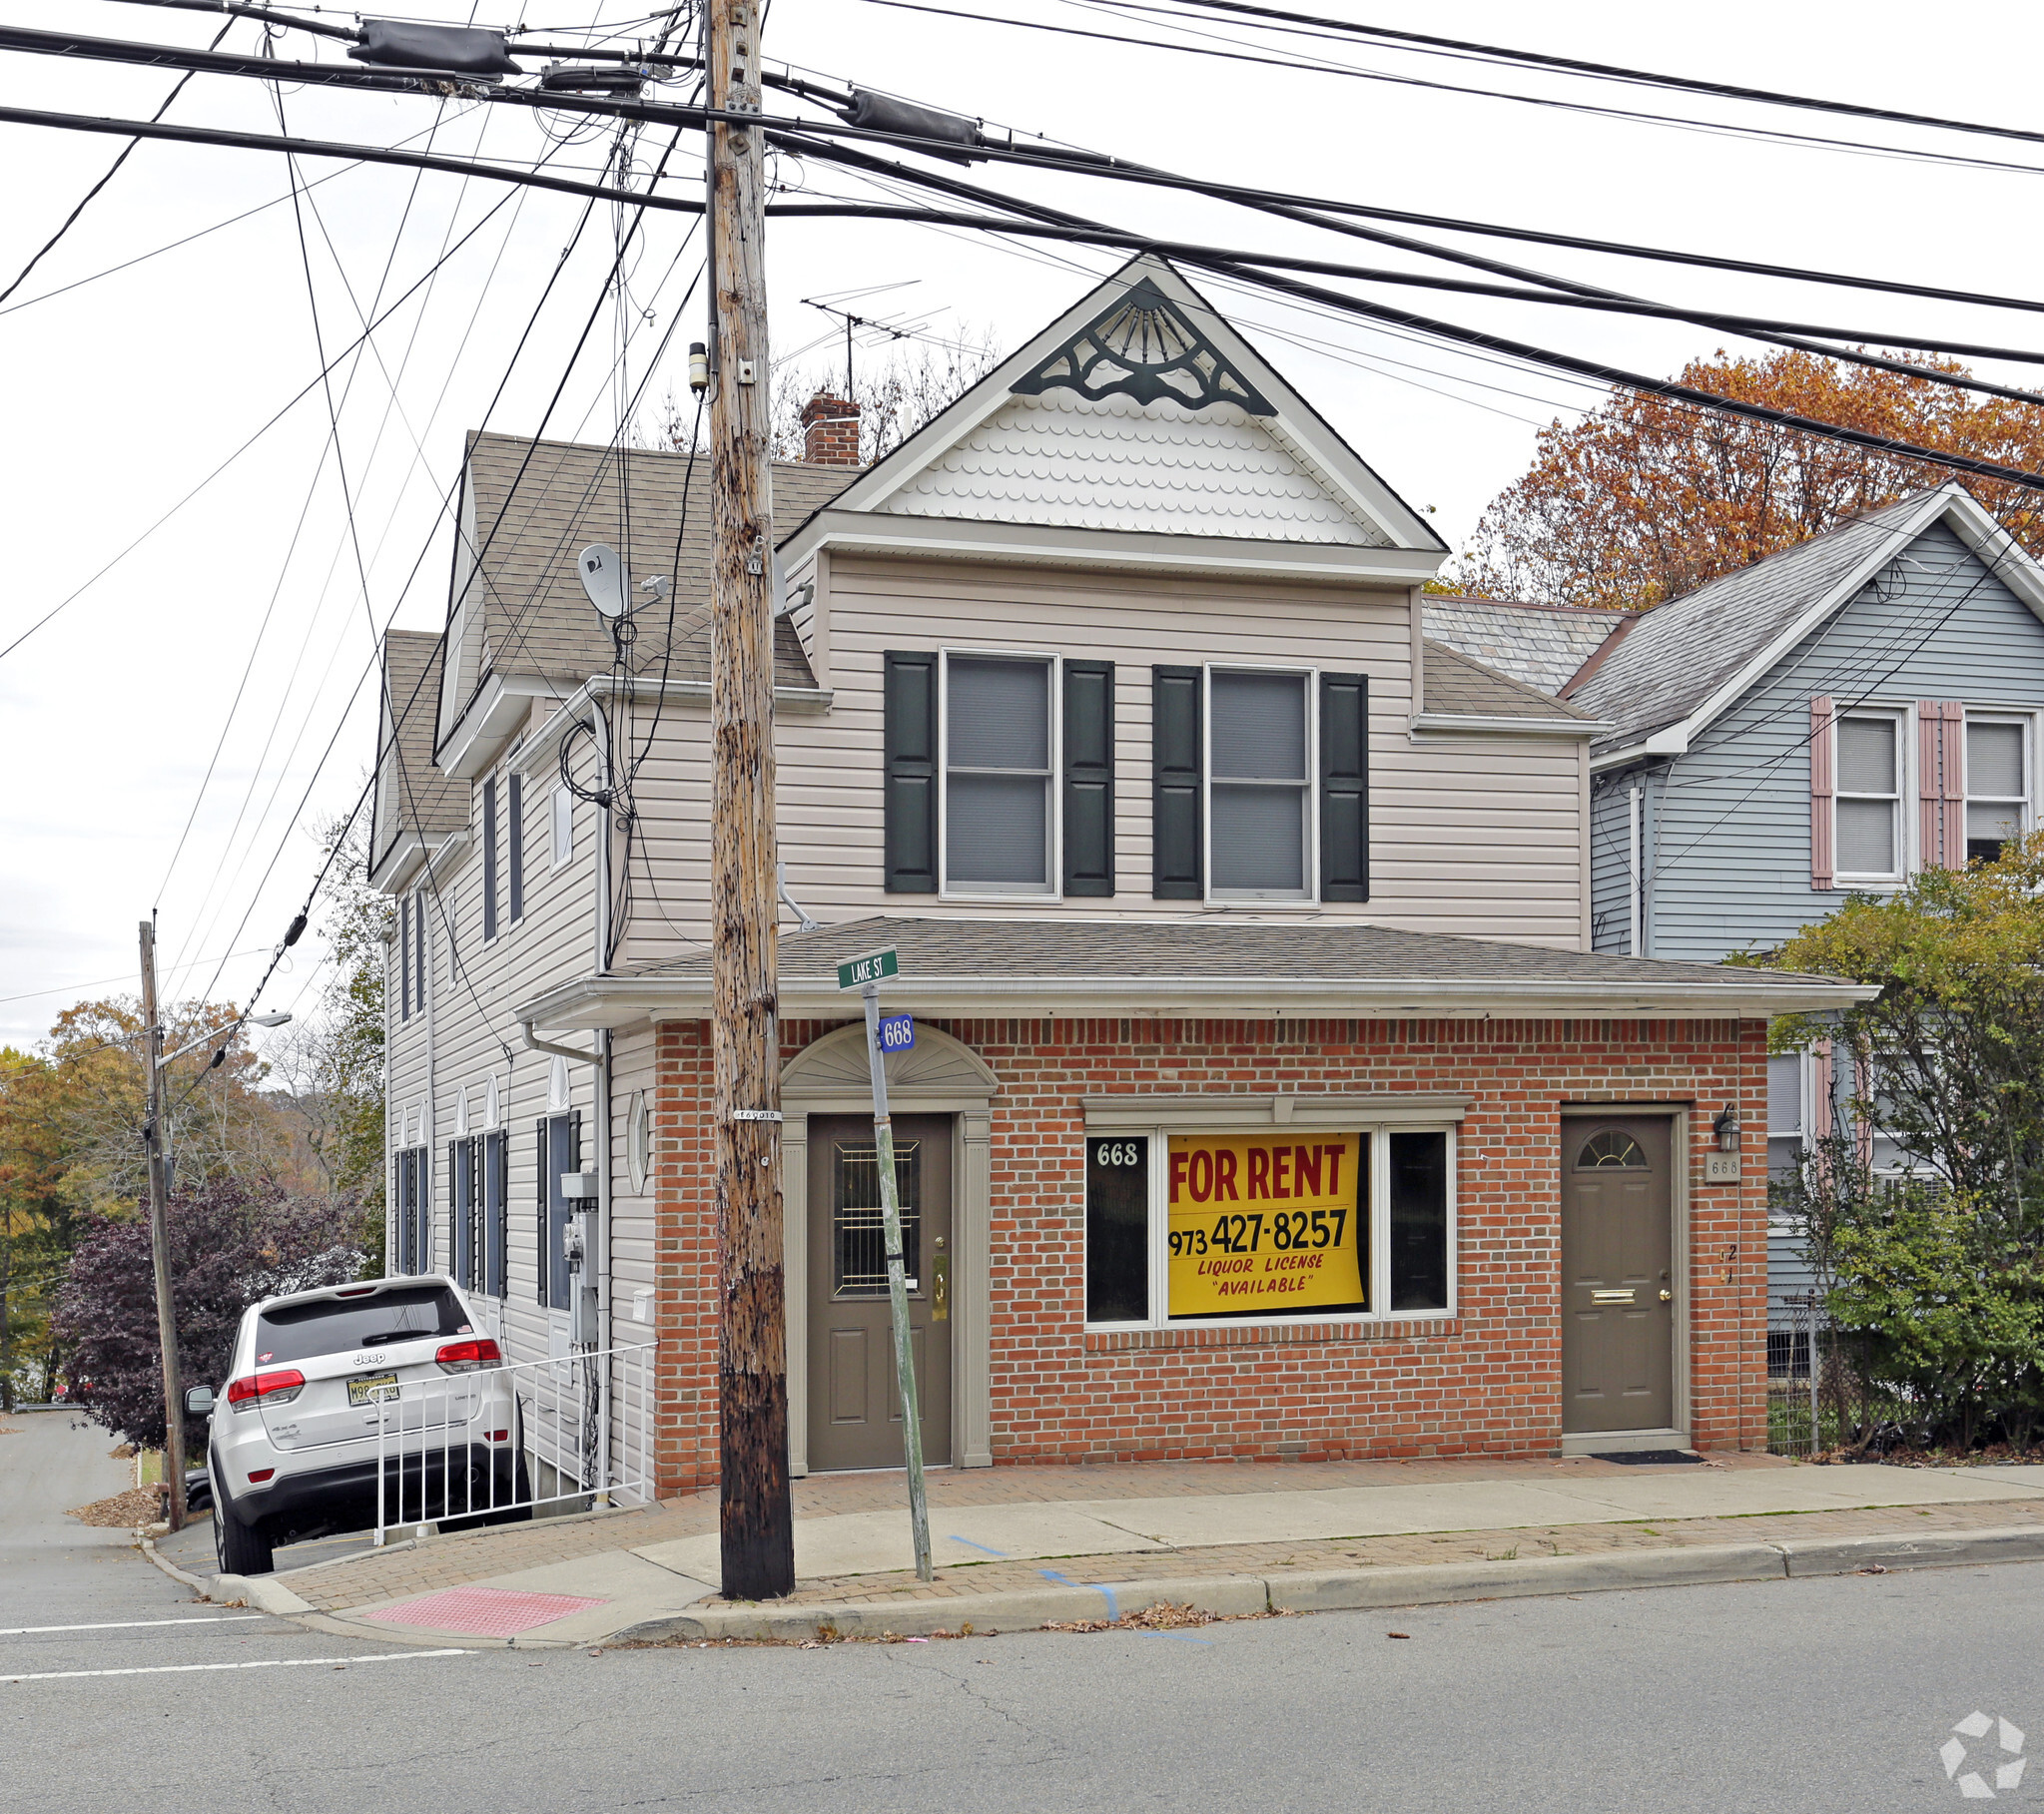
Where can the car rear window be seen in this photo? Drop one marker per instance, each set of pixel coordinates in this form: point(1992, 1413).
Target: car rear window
point(297, 1331)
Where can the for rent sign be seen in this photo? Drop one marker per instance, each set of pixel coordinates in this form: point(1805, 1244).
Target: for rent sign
point(1264, 1224)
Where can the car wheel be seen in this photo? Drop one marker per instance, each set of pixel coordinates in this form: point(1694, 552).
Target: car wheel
point(521, 1490)
point(241, 1549)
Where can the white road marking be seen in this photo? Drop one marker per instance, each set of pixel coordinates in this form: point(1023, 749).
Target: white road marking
point(135, 1624)
point(278, 1662)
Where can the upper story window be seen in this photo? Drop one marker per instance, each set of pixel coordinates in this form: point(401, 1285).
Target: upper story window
point(514, 845)
point(999, 811)
point(1869, 801)
point(489, 859)
point(1260, 797)
point(1997, 783)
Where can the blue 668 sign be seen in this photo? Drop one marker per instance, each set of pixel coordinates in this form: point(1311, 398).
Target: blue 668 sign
point(897, 1032)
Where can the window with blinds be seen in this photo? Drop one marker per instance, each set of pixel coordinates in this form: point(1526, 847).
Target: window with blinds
point(997, 817)
point(1997, 784)
point(1870, 798)
point(1259, 788)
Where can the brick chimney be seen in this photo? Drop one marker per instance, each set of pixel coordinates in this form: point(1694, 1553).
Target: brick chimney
point(830, 427)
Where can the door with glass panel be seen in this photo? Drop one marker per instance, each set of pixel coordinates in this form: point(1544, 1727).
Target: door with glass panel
point(855, 1408)
point(1618, 1284)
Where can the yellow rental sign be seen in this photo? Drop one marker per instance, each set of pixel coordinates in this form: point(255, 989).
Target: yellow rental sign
point(1264, 1224)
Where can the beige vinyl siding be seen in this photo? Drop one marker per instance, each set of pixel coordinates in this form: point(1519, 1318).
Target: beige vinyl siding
point(472, 1026)
point(1479, 835)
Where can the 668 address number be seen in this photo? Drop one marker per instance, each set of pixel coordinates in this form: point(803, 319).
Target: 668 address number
point(1119, 1152)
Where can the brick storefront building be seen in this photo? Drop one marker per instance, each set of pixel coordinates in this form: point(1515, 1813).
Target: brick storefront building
point(1492, 1312)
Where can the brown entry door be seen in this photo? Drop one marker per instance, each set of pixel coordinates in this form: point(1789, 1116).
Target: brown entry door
point(1618, 1292)
point(855, 1404)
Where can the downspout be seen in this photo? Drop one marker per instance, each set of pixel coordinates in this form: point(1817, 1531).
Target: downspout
point(606, 782)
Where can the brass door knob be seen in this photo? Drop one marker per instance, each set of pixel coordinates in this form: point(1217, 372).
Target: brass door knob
point(1668, 1297)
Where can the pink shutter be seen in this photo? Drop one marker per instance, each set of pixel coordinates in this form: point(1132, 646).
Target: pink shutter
point(1822, 792)
point(1941, 782)
point(1820, 1090)
point(1953, 770)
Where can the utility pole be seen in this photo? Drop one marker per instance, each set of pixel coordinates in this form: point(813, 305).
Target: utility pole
point(158, 1238)
point(757, 1520)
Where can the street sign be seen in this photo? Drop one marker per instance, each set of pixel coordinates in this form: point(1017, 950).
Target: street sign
point(874, 966)
point(897, 1032)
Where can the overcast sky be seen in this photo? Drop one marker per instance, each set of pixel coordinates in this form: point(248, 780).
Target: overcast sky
point(201, 699)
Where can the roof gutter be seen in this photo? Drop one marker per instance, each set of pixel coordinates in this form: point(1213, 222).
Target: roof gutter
point(1483, 724)
point(612, 1001)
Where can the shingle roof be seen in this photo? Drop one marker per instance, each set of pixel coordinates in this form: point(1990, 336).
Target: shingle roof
point(412, 793)
point(1675, 656)
point(1455, 684)
point(537, 619)
point(1078, 948)
point(1542, 645)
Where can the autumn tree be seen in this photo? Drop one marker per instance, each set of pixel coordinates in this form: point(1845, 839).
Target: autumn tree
point(1647, 498)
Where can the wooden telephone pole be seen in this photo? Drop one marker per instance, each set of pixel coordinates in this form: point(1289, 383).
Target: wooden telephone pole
point(757, 1522)
point(158, 1239)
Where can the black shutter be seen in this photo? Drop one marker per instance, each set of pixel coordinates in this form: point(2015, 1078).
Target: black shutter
point(910, 751)
point(542, 1217)
point(454, 1211)
point(515, 817)
point(489, 859)
point(1344, 787)
point(404, 960)
point(1089, 778)
point(1177, 866)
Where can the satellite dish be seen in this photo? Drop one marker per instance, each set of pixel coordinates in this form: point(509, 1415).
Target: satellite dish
point(604, 579)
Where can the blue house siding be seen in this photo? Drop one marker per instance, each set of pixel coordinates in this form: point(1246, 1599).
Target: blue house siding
point(1729, 867)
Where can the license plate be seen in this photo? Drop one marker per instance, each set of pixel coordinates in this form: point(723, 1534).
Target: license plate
point(373, 1390)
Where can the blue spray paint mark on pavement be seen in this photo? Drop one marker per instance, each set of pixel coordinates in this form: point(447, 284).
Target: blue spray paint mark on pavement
point(1113, 1605)
point(970, 1544)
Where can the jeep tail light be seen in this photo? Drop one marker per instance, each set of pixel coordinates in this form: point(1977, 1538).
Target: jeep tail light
point(255, 1388)
point(466, 1357)
point(499, 1435)
point(259, 1476)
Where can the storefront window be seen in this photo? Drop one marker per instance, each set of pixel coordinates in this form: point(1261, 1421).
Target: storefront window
point(1277, 1223)
point(1264, 1226)
point(1419, 1221)
point(1117, 1230)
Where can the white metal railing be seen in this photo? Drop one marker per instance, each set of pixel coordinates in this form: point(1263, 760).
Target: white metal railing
point(520, 1434)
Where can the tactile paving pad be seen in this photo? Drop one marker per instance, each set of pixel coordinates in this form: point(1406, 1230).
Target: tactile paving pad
point(483, 1611)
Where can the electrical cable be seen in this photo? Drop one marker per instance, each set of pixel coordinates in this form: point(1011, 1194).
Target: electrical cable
point(1492, 52)
point(113, 170)
point(1328, 67)
point(1072, 162)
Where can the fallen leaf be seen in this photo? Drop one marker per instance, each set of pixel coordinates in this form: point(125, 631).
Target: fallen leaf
point(1398, 1634)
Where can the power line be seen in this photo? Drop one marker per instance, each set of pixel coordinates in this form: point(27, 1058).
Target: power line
point(1492, 52)
point(113, 170)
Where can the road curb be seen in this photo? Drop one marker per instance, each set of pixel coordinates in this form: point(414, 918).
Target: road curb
point(199, 1585)
point(1925, 1549)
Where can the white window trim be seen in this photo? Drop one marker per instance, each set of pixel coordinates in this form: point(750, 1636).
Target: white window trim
point(1379, 1138)
point(1053, 857)
point(560, 805)
point(1310, 794)
point(2026, 721)
point(1907, 858)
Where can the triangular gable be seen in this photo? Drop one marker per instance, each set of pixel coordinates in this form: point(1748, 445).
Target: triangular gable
point(1142, 409)
point(1676, 668)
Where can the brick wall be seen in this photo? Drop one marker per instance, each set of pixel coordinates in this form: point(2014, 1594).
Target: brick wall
point(1484, 1381)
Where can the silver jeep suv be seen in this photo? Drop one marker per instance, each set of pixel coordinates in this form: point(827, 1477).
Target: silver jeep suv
point(327, 1388)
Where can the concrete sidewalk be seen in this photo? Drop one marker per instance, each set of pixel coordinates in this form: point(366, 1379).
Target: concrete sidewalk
point(1226, 1538)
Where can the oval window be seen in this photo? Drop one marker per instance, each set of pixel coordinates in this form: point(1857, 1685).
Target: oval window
point(1611, 1149)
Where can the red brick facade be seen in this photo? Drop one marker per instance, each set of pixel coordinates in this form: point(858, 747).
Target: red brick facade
point(1485, 1379)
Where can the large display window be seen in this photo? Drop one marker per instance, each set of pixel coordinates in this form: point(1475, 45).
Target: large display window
point(1251, 1227)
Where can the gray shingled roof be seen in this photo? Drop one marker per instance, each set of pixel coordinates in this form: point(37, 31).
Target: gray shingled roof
point(1453, 683)
point(1542, 645)
point(538, 620)
point(1674, 657)
point(1080, 948)
point(414, 795)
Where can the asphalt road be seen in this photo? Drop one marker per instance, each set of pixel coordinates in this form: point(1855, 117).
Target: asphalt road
point(1827, 1694)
